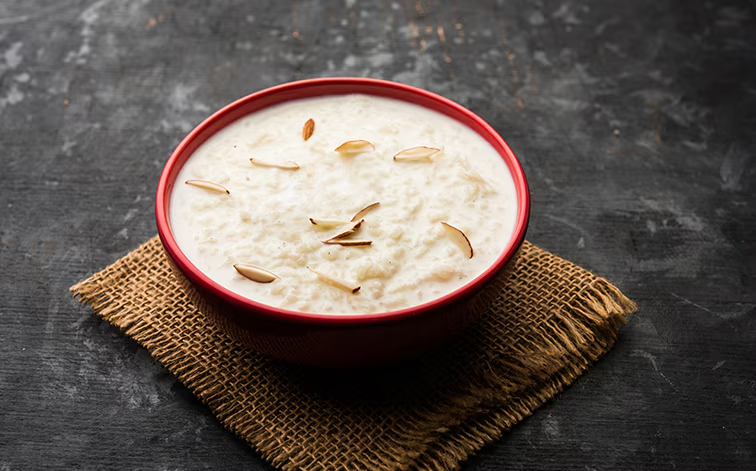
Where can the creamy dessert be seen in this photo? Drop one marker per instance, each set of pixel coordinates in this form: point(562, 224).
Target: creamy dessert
point(344, 204)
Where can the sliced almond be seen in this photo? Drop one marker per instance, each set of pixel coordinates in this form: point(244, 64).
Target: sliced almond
point(364, 211)
point(255, 273)
point(208, 186)
point(328, 223)
point(308, 129)
point(417, 153)
point(459, 238)
point(348, 242)
point(350, 228)
point(345, 285)
point(355, 147)
point(287, 165)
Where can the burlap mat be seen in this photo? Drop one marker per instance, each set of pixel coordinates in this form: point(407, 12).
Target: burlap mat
point(549, 324)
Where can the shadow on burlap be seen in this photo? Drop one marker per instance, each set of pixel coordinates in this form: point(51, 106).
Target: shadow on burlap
point(548, 325)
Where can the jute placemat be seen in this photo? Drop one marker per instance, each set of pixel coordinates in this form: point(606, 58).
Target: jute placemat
point(549, 324)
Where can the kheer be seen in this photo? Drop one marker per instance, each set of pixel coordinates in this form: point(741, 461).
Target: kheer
point(297, 175)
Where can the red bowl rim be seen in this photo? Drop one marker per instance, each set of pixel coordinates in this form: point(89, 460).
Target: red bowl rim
point(355, 85)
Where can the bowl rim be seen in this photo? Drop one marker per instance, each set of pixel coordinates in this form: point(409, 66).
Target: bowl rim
point(357, 86)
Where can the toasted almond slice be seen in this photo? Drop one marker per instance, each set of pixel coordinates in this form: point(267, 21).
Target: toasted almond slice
point(350, 228)
point(208, 186)
point(308, 129)
point(363, 212)
point(348, 242)
point(459, 238)
point(417, 153)
point(327, 223)
point(255, 273)
point(355, 147)
point(288, 165)
point(336, 282)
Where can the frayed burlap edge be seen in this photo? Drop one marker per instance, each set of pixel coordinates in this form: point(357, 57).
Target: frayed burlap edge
point(600, 305)
point(577, 334)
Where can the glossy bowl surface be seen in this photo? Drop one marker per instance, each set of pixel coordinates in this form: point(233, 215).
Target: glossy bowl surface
point(326, 339)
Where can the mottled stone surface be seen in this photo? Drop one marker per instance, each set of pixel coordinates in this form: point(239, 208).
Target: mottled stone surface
point(635, 122)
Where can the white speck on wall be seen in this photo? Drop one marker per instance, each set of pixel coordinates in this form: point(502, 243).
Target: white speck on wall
point(14, 20)
point(293, 59)
point(380, 59)
point(180, 99)
point(22, 78)
point(647, 356)
point(734, 165)
point(536, 18)
point(689, 220)
point(566, 14)
point(567, 223)
point(68, 144)
point(130, 214)
point(652, 359)
point(420, 75)
point(182, 125)
point(692, 222)
point(581, 243)
point(735, 399)
point(551, 427)
point(739, 309)
point(540, 57)
point(651, 226)
point(12, 56)
point(350, 3)
point(123, 233)
point(13, 97)
point(89, 17)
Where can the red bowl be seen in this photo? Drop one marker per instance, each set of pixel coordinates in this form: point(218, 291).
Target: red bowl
point(329, 340)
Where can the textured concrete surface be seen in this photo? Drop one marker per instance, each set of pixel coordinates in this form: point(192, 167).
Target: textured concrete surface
point(635, 122)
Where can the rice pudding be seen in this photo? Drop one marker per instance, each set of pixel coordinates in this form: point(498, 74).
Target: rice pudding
point(344, 204)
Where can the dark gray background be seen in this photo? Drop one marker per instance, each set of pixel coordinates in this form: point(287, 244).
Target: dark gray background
point(634, 120)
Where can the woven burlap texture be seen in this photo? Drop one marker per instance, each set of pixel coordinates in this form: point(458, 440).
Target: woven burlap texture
point(550, 322)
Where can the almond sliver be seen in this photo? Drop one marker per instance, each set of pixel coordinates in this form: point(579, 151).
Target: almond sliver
point(355, 147)
point(364, 211)
point(308, 129)
point(327, 223)
point(208, 186)
point(345, 285)
point(287, 165)
point(459, 238)
point(349, 242)
point(417, 153)
point(254, 273)
point(350, 228)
